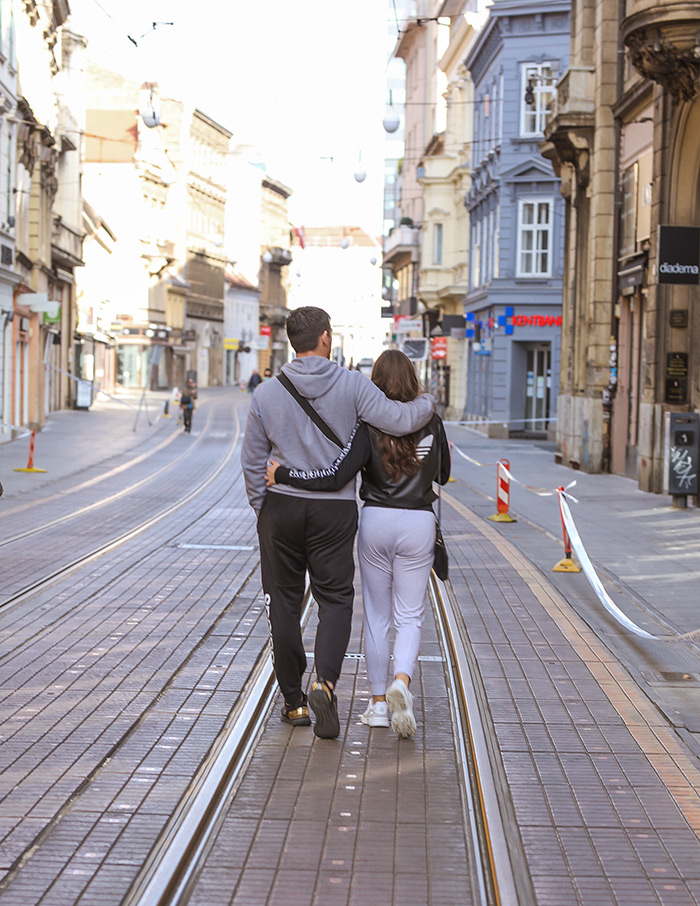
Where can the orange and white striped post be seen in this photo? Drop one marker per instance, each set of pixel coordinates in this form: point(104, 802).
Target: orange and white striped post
point(502, 493)
point(30, 463)
point(568, 564)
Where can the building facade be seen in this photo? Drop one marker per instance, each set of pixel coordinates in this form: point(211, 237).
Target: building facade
point(156, 170)
point(43, 158)
point(516, 228)
point(625, 139)
point(444, 175)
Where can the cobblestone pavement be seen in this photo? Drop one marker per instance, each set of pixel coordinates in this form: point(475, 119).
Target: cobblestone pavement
point(596, 731)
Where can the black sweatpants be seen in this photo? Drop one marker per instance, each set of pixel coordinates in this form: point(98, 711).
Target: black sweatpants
point(296, 534)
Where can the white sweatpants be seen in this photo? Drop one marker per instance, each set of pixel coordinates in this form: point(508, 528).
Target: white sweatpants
point(396, 555)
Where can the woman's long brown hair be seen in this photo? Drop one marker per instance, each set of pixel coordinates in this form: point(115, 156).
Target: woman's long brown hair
point(394, 373)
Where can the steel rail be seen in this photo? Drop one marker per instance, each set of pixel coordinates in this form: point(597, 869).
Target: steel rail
point(175, 861)
point(103, 501)
point(495, 881)
point(119, 540)
point(173, 866)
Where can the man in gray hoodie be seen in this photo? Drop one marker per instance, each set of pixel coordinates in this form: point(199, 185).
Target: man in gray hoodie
point(310, 530)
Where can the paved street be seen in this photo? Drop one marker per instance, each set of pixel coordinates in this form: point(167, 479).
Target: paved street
point(595, 730)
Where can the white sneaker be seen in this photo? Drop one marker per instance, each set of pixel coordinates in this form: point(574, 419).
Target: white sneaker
point(376, 715)
point(400, 700)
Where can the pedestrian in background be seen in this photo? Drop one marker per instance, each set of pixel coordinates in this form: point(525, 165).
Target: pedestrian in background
point(188, 396)
point(255, 379)
point(267, 374)
point(396, 539)
point(301, 529)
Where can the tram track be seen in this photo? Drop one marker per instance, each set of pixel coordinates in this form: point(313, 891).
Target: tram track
point(110, 498)
point(103, 549)
point(170, 873)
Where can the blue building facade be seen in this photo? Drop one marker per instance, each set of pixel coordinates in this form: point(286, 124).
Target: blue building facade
point(513, 303)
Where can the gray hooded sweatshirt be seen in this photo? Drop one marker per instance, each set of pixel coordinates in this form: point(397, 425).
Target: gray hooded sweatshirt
point(278, 428)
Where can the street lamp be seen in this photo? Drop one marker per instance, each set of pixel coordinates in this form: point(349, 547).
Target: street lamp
point(391, 121)
point(360, 173)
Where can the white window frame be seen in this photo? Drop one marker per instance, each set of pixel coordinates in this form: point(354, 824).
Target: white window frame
point(438, 236)
point(476, 254)
point(544, 79)
point(537, 248)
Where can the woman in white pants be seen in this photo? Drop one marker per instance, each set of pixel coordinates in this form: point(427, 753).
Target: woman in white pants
point(396, 537)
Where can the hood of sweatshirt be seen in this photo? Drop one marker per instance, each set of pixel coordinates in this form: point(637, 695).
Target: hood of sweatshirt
point(312, 375)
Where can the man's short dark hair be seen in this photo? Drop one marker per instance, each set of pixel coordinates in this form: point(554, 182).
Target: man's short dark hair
point(305, 326)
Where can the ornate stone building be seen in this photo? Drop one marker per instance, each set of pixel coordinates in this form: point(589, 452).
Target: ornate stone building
point(625, 139)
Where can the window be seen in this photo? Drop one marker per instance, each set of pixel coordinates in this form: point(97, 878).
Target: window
point(437, 243)
point(476, 254)
point(538, 86)
point(535, 238)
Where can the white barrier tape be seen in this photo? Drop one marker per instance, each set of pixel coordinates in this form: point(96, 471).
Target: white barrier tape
point(96, 390)
point(497, 421)
point(541, 492)
point(25, 431)
point(597, 585)
point(473, 461)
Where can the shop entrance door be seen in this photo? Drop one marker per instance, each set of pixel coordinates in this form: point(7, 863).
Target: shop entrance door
point(538, 387)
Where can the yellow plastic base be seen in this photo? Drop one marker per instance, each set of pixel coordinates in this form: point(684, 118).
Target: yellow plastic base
point(451, 479)
point(29, 470)
point(502, 517)
point(566, 566)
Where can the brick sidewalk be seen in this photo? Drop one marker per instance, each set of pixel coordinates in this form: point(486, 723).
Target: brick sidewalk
point(606, 795)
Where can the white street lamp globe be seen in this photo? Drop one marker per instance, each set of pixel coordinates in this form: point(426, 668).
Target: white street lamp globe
point(150, 116)
point(360, 175)
point(372, 261)
point(344, 242)
point(267, 257)
point(391, 120)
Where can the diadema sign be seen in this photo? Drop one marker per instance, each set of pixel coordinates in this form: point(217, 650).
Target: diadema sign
point(679, 255)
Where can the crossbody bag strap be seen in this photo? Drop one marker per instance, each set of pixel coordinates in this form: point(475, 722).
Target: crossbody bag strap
point(439, 475)
point(309, 409)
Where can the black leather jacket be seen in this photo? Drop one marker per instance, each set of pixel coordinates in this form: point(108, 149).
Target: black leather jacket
point(414, 492)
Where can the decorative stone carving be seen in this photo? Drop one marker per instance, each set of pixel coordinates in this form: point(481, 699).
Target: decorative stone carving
point(664, 46)
point(569, 149)
point(658, 60)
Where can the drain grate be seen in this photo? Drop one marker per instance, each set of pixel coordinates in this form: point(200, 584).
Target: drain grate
point(354, 656)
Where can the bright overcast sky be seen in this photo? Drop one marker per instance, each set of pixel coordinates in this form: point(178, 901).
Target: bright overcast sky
point(302, 80)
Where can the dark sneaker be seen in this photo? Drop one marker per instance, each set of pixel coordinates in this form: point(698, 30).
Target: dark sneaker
point(297, 717)
point(324, 704)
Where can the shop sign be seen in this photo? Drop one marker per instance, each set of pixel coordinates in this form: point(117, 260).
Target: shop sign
point(438, 348)
point(405, 324)
point(679, 254)
point(265, 330)
point(537, 320)
point(230, 343)
point(676, 377)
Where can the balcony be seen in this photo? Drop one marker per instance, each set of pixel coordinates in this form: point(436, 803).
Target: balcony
point(569, 131)
point(662, 39)
point(402, 242)
point(66, 244)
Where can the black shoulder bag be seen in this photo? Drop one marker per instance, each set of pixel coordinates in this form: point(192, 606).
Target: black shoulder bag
point(310, 411)
point(440, 561)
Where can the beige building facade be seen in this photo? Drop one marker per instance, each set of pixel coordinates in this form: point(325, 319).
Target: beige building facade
point(42, 225)
point(156, 172)
point(625, 139)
